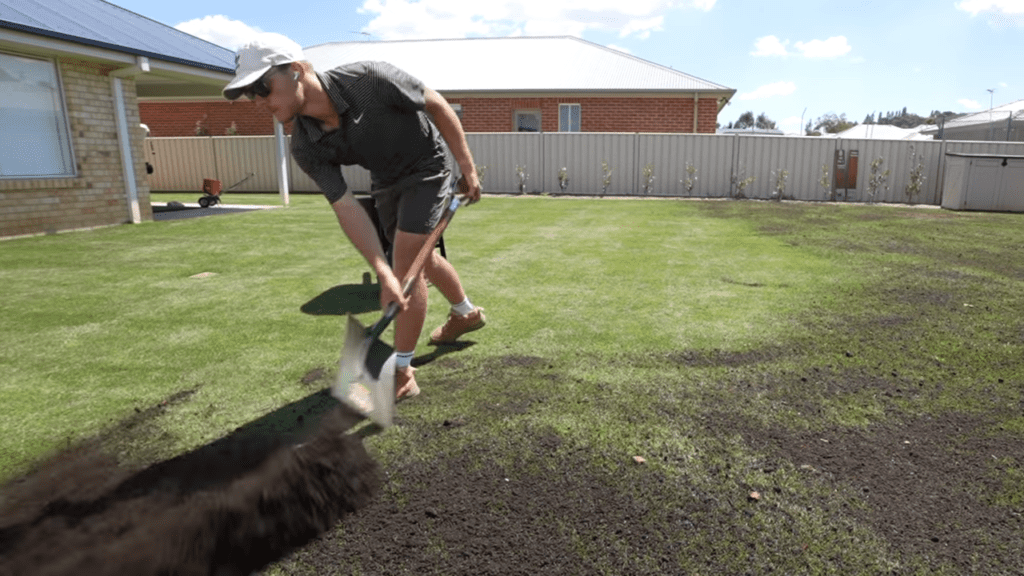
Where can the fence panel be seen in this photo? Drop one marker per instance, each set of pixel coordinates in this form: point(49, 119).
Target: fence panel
point(181, 163)
point(501, 153)
point(704, 160)
point(994, 148)
point(582, 154)
point(238, 157)
point(899, 157)
point(765, 158)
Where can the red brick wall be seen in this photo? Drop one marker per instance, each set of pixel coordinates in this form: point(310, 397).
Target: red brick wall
point(618, 114)
point(179, 118)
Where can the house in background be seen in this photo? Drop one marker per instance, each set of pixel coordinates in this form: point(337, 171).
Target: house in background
point(1000, 124)
point(520, 84)
point(72, 152)
point(883, 132)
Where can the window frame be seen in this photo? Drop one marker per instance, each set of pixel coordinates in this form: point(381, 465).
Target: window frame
point(535, 112)
point(457, 108)
point(65, 143)
point(579, 117)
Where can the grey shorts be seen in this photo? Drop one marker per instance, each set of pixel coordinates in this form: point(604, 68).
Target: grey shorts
point(413, 205)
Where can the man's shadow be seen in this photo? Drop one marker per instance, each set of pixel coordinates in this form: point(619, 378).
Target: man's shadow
point(346, 299)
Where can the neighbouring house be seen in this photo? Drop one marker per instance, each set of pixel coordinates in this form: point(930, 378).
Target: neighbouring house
point(72, 151)
point(883, 132)
point(751, 131)
point(519, 84)
point(1000, 124)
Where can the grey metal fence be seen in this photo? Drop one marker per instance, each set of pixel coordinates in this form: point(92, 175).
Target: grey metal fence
point(672, 165)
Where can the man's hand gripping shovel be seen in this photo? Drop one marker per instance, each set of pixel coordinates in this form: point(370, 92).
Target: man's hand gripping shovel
point(366, 374)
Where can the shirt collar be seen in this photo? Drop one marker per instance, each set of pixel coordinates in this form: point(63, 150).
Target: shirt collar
point(312, 125)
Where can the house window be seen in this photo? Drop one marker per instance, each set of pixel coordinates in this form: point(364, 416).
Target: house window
point(34, 137)
point(568, 117)
point(458, 110)
point(527, 121)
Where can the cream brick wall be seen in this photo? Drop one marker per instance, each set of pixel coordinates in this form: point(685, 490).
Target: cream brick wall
point(96, 196)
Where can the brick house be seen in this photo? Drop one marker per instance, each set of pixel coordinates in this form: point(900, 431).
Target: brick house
point(568, 85)
point(71, 148)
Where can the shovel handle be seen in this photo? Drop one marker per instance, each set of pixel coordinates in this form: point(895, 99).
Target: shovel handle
point(417, 266)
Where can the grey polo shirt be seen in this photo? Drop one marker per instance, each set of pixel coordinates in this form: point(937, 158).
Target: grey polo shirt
point(383, 128)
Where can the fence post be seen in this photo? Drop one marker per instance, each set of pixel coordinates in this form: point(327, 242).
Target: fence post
point(636, 164)
point(733, 164)
point(940, 176)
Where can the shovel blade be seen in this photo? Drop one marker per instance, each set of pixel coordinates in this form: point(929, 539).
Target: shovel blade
point(366, 375)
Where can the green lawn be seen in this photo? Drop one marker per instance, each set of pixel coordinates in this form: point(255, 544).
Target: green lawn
point(669, 312)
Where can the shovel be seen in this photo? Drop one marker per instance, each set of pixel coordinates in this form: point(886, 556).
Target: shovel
point(366, 373)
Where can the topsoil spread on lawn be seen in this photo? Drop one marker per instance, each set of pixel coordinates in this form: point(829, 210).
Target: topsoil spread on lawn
point(925, 487)
point(241, 503)
point(228, 508)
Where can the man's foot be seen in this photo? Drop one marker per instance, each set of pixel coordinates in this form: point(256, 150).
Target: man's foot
point(405, 383)
point(457, 326)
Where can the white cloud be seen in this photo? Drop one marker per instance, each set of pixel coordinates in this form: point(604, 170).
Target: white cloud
point(831, 48)
point(769, 90)
point(969, 104)
point(223, 31)
point(769, 46)
point(1005, 6)
point(642, 27)
point(410, 19)
point(791, 124)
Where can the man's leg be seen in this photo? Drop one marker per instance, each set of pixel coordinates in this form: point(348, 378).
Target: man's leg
point(464, 316)
point(442, 274)
point(409, 323)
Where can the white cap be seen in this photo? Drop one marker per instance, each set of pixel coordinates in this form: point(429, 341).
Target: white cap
point(256, 57)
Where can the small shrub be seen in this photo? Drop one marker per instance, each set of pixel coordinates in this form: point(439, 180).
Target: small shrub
point(649, 178)
point(878, 180)
point(523, 177)
point(563, 179)
point(826, 183)
point(917, 177)
point(691, 179)
point(780, 177)
point(200, 127)
point(739, 183)
point(606, 177)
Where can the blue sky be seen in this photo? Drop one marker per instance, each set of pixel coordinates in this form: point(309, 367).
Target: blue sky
point(792, 60)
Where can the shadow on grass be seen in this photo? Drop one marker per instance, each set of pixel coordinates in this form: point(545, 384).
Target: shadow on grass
point(345, 299)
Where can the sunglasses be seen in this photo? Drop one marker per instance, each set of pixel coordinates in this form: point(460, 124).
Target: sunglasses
point(259, 88)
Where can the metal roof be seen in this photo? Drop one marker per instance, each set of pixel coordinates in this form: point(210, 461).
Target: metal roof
point(104, 25)
point(996, 116)
point(883, 132)
point(517, 64)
